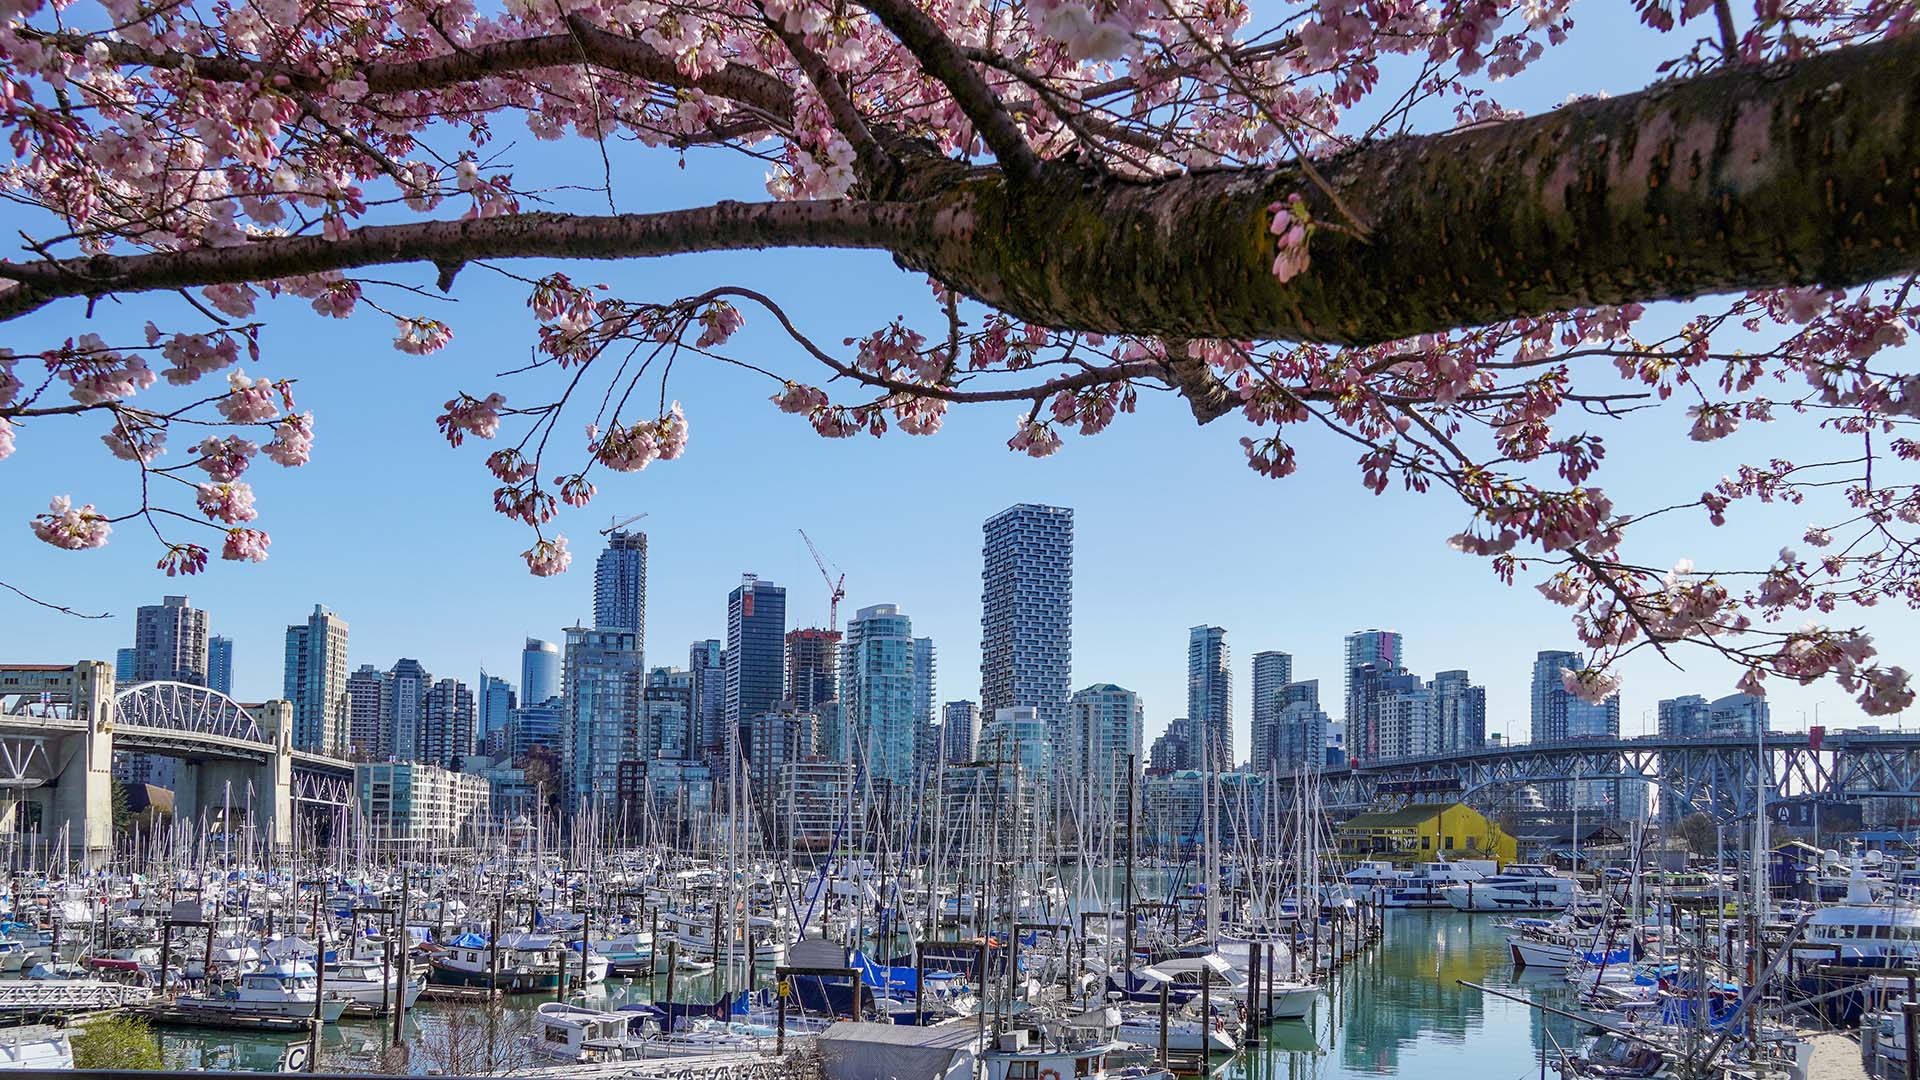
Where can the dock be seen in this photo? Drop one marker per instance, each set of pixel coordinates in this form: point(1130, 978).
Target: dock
point(186, 1016)
point(459, 993)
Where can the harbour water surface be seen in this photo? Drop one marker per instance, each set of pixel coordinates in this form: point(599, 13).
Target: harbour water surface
point(1397, 1010)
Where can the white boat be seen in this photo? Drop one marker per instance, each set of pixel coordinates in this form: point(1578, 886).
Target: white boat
point(628, 952)
point(360, 982)
point(1866, 927)
point(286, 988)
point(583, 1036)
point(1520, 887)
point(1142, 1028)
point(1020, 1055)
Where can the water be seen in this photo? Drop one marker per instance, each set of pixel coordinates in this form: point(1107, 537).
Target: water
point(1397, 1010)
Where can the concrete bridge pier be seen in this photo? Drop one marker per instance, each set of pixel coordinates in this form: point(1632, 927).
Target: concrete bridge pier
point(81, 794)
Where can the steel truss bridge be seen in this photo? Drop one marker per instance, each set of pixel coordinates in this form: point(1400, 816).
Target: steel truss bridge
point(1718, 776)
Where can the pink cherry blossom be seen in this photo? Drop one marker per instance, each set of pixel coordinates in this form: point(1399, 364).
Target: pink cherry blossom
point(718, 322)
point(65, 527)
point(182, 559)
point(467, 415)
point(548, 557)
point(6, 439)
point(670, 433)
point(225, 459)
point(230, 502)
point(1035, 438)
point(1590, 684)
point(292, 442)
point(132, 440)
point(797, 398)
point(1292, 228)
point(249, 400)
point(245, 545)
point(419, 337)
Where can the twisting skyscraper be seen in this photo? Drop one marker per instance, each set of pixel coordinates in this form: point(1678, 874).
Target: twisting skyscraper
point(1026, 613)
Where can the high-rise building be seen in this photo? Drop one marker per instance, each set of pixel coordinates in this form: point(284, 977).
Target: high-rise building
point(1460, 712)
point(1401, 715)
point(1558, 715)
point(403, 705)
point(1026, 612)
point(123, 665)
point(959, 731)
point(880, 686)
point(813, 661)
point(669, 727)
point(220, 664)
point(1300, 736)
point(1382, 650)
point(446, 733)
point(1738, 714)
point(1684, 717)
point(170, 642)
point(775, 740)
point(755, 658)
point(1105, 730)
point(1210, 695)
point(602, 682)
point(539, 671)
point(315, 682)
point(366, 735)
point(707, 664)
point(496, 703)
point(537, 727)
point(1174, 749)
point(620, 585)
point(926, 733)
point(1272, 671)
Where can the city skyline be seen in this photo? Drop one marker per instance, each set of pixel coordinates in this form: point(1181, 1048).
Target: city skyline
point(1243, 720)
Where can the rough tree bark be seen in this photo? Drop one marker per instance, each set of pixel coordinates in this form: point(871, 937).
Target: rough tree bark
point(1799, 173)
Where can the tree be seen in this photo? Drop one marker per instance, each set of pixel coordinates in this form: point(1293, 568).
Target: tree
point(116, 1042)
point(541, 765)
point(1700, 833)
point(1108, 197)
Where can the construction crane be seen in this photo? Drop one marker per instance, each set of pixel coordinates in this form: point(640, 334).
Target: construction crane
point(618, 525)
point(837, 589)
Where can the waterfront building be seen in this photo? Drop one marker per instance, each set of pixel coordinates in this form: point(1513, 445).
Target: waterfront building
point(1272, 671)
point(1300, 735)
point(1684, 717)
point(707, 664)
point(123, 665)
point(669, 725)
point(926, 730)
point(1173, 751)
point(1559, 715)
point(403, 703)
point(601, 684)
point(1210, 695)
point(774, 740)
point(880, 688)
point(1173, 808)
point(959, 731)
point(366, 735)
point(677, 795)
point(1026, 612)
point(1383, 651)
point(1104, 724)
point(539, 671)
point(620, 585)
point(810, 800)
point(537, 727)
point(496, 702)
point(220, 664)
point(446, 733)
point(412, 805)
point(512, 797)
point(1425, 832)
point(1738, 714)
point(813, 662)
point(315, 682)
point(1400, 712)
point(170, 642)
point(1460, 712)
point(1018, 736)
point(755, 657)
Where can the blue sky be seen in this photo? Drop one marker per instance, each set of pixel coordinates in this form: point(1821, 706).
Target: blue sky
point(394, 531)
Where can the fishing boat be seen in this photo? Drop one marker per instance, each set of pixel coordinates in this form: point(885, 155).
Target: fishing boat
point(287, 989)
point(527, 963)
point(363, 983)
point(582, 1036)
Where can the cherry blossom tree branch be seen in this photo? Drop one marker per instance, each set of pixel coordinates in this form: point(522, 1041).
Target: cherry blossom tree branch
point(942, 59)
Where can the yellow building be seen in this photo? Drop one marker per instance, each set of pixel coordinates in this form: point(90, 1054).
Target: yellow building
point(1425, 832)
